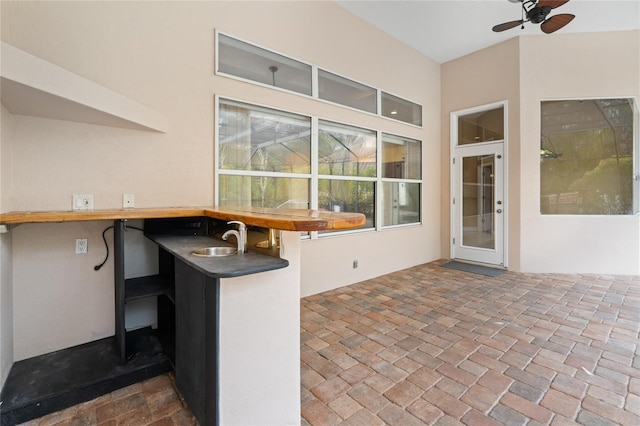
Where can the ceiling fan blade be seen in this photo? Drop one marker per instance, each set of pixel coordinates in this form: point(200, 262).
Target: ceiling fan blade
point(551, 3)
point(506, 26)
point(556, 22)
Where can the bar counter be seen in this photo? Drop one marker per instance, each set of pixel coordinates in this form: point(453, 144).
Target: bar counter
point(283, 219)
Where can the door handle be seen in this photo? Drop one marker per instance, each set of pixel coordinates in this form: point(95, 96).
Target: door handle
point(499, 211)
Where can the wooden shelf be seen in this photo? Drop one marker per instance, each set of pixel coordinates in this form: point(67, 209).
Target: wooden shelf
point(152, 285)
point(32, 86)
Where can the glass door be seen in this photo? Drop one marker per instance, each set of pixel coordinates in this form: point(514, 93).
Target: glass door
point(478, 208)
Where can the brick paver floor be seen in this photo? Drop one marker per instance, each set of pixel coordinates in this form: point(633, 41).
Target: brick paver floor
point(154, 402)
point(430, 345)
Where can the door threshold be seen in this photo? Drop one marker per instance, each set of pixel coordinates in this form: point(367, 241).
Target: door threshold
point(473, 268)
point(488, 265)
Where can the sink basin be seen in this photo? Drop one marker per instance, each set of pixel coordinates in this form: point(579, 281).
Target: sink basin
point(214, 251)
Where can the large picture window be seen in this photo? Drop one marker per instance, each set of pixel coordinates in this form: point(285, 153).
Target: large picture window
point(586, 157)
point(276, 159)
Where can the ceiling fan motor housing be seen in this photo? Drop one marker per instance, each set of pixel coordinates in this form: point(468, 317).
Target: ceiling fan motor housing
point(538, 14)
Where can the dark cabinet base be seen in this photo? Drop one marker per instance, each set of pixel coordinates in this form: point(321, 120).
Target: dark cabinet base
point(51, 382)
point(197, 308)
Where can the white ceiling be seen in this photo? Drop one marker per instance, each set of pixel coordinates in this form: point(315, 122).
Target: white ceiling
point(446, 30)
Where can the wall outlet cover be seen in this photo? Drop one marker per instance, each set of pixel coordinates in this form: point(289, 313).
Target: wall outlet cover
point(82, 202)
point(127, 201)
point(81, 246)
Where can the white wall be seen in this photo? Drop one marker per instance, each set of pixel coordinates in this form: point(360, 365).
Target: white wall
point(574, 66)
point(526, 70)
point(161, 54)
point(73, 302)
point(6, 264)
point(58, 298)
point(485, 77)
point(328, 263)
point(260, 344)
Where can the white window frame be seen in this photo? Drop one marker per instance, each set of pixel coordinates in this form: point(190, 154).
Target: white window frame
point(381, 180)
point(314, 82)
point(314, 175)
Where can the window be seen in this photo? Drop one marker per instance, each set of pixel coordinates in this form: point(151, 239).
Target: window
point(586, 157)
point(401, 109)
point(346, 92)
point(235, 58)
point(347, 159)
point(264, 159)
point(401, 158)
point(401, 187)
point(483, 126)
point(253, 63)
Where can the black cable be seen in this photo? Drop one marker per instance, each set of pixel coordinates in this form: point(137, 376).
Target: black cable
point(106, 245)
point(97, 267)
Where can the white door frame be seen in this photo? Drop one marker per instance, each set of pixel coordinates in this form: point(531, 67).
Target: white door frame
point(454, 180)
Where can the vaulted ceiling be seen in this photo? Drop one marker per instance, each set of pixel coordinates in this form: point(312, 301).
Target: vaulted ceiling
point(446, 30)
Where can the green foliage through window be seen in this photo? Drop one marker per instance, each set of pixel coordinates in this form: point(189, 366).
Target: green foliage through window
point(586, 157)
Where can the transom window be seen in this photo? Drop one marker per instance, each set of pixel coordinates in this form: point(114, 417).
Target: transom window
point(246, 61)
point(482, 126)
point(333, 88)
point(254, 63)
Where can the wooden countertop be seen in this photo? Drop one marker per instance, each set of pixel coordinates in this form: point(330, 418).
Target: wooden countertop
point(284, 219)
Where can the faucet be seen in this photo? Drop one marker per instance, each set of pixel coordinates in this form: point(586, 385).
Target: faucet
point(240, 234)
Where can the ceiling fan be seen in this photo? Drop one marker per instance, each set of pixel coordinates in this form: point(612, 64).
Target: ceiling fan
point(537, 11)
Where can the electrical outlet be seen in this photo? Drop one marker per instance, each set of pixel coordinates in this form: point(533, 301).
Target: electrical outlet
point(81, 246)
point(355, 264)
point(82, 202)
point(127, 201)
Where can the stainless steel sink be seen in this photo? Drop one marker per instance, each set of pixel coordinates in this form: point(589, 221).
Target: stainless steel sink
point(214, 251)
